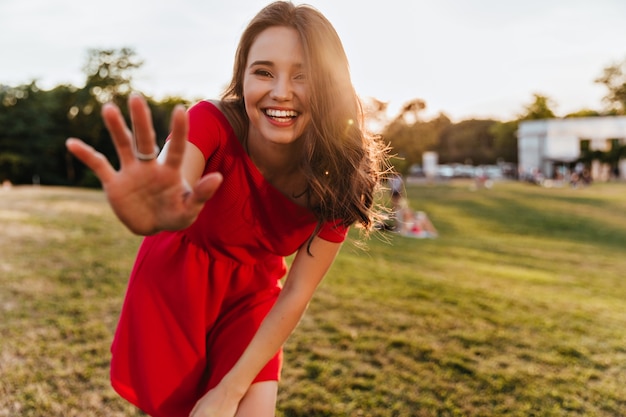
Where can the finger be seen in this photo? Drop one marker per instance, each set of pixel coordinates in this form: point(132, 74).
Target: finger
point(92, 158)
point(120, 134)
point(178, 138)
point(205, 188)
point(143, 129)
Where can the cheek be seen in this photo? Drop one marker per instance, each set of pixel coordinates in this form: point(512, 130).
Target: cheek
point(304, 101)
point(305, 123)
point(250, 97)
point(250, 88)
point(246, 91)
point(302, 92)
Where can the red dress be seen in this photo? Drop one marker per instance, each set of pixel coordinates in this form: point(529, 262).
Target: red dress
point(196, 297)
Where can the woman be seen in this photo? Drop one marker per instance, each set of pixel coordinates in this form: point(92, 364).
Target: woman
point(281, 164)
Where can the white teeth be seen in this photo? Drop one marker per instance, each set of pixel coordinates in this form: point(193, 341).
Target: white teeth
point(281, 113)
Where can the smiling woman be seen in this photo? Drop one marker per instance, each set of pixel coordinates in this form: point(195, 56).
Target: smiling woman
point(280, 165)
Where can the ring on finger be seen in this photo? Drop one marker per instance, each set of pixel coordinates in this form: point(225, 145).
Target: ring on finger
point(148, 156)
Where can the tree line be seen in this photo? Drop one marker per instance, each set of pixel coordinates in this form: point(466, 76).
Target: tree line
point(486, 141)
point(35, 123)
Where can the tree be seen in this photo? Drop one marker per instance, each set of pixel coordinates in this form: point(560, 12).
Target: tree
point(35, 126)
point(375, 113)
point(15, 124)
point(35, 123)
point(614, 79)
point(410, 112)
point(410, 136)
point(469, 141)
point(162, 114)
point(583, 113)
point(539, 109)
point(110, 73)
point(505, 140)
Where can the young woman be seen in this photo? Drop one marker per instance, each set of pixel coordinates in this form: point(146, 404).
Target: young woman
point(280, 165)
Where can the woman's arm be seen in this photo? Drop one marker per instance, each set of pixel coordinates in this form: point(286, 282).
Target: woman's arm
point(304, 276)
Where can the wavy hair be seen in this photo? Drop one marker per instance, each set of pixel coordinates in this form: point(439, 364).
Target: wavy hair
point(342, 163)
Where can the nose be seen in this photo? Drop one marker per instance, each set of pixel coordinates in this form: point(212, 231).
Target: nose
point(282, 90)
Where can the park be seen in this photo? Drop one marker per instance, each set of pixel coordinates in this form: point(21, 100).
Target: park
point(516, 309)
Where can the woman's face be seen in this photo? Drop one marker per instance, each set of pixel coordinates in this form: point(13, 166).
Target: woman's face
point(276, 87)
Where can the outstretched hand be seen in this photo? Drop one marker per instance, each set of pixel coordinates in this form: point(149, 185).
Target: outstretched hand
point(152, 195)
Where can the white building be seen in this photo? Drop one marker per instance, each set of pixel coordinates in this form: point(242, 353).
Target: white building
point(544, 144)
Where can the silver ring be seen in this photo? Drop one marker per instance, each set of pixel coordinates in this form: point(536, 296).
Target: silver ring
point(148, 156)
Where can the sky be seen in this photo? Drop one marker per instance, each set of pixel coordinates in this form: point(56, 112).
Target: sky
point(465, 58)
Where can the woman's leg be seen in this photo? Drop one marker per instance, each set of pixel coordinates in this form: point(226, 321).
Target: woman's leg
point(259, 401)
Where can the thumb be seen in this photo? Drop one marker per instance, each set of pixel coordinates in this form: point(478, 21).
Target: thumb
point(206, 187)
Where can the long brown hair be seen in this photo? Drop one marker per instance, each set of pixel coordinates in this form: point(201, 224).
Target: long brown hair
point(341, 161)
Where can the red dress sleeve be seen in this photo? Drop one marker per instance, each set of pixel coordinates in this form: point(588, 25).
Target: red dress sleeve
point(333, 231)
point(207, 127)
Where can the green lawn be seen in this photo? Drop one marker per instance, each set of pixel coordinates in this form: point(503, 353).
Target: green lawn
point(517, 309)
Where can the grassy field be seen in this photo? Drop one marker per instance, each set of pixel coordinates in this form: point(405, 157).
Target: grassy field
point(517, 309)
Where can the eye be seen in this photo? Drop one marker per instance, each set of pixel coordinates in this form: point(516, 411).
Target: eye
point(300, 76)
point(262, 73)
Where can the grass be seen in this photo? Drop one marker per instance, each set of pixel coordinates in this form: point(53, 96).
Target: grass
point(517, 309)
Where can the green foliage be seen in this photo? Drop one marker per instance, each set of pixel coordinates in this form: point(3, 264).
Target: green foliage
point(469, 141)
point(35, 123)
point(516, 309)
point(614, 79)
point(505, 140)
point(539, 109)
point(584, 113)
point(109, 73)
point(410, 136)
point(32, 138)
point(12, 164)
point(161, 115)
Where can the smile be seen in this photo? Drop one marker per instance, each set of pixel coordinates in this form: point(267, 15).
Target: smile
point(282, 116)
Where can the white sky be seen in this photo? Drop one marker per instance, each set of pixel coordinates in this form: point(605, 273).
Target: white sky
point(466, 58)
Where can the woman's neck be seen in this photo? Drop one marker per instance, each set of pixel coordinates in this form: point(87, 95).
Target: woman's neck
point(274, 160)
point(280, 166)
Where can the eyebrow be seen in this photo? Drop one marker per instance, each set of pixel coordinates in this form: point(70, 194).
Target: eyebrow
point(266, 63)
point(270, 64)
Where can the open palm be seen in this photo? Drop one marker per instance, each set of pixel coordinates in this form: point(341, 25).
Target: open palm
point(147, 195)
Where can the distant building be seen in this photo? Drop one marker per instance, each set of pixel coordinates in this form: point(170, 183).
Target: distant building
point(545, 145)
